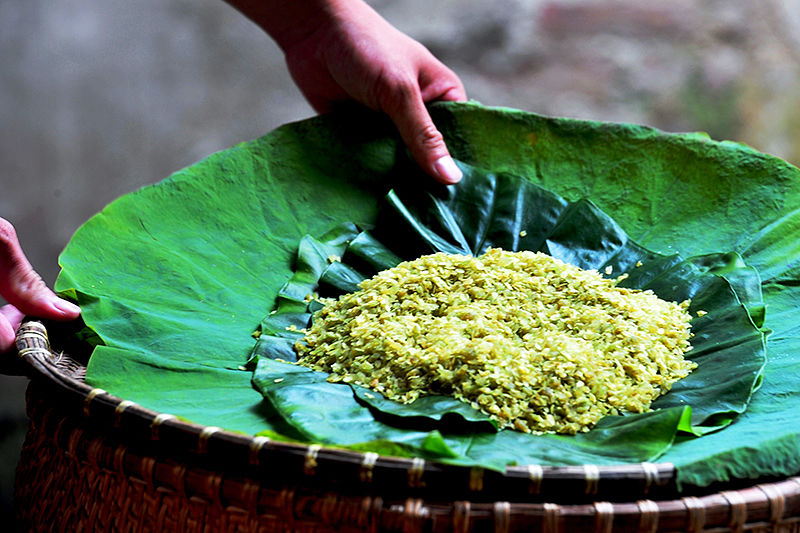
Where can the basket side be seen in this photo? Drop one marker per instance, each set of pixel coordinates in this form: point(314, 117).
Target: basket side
point(72, 477)
point(78, 471)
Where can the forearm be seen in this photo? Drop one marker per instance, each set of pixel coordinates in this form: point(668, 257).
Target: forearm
point(290, 21)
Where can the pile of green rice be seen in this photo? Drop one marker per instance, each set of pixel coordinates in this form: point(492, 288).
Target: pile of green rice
point(537, 344)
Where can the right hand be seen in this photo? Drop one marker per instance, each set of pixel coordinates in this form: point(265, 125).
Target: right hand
point(354, 54)
point(343, 50)
point(24, 290)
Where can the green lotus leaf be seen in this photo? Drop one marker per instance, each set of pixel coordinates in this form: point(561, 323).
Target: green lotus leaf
point(172, 278)
point(486, 210)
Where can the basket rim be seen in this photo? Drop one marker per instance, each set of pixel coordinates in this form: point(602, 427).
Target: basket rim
point(522, 483)
point(775, 505)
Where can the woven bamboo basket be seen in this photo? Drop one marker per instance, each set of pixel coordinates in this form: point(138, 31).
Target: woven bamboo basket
point(92, 461)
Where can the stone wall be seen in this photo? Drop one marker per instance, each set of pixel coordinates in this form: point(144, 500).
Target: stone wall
point(102, 97)
point(730, 68)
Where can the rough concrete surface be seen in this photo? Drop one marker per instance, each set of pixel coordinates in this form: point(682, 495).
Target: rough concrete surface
point(98, 98)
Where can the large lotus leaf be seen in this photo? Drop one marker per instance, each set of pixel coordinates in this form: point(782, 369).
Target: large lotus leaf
point(487, 210)
point(172, 277)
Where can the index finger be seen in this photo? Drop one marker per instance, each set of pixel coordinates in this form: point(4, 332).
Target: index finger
point(422, 138)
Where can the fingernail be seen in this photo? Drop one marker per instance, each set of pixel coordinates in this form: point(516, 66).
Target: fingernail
point(65, 307)
point(453, 95)
point(447, 170)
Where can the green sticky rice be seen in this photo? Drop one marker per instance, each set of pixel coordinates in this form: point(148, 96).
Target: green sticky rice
point(537, 344)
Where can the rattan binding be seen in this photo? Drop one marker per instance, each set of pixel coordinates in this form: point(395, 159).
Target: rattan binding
point(92, 461)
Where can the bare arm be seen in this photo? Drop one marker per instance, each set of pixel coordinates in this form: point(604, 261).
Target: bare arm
point(339, 50)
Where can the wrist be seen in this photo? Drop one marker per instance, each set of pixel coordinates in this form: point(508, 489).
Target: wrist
point(289, 22)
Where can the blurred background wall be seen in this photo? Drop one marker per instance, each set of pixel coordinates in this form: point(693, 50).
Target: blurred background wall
point(101, 97)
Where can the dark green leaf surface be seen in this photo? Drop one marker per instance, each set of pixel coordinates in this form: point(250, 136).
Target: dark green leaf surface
point(173, 277)
point(437, 409)
point(328, 413)
point(728, 347)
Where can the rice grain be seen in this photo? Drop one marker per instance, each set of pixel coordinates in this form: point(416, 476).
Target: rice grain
point(537, 344)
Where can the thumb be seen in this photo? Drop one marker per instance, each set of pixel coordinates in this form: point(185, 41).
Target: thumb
point(22, 287)
point(10, 319)
point(423, 140)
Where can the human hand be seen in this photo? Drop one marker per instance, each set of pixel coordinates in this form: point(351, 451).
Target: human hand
point(24, 290)
point(341, 50)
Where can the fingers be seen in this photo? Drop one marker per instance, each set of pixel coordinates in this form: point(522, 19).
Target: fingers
point(455, 94)
point(22, 287)
point(438, 82)
point(405, 104)
point(10, 319)
point(407, 110)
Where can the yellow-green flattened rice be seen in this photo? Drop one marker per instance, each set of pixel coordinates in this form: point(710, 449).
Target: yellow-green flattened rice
point(537, 344)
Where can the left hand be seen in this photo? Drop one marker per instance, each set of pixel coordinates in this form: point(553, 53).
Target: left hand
point(25, 291)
